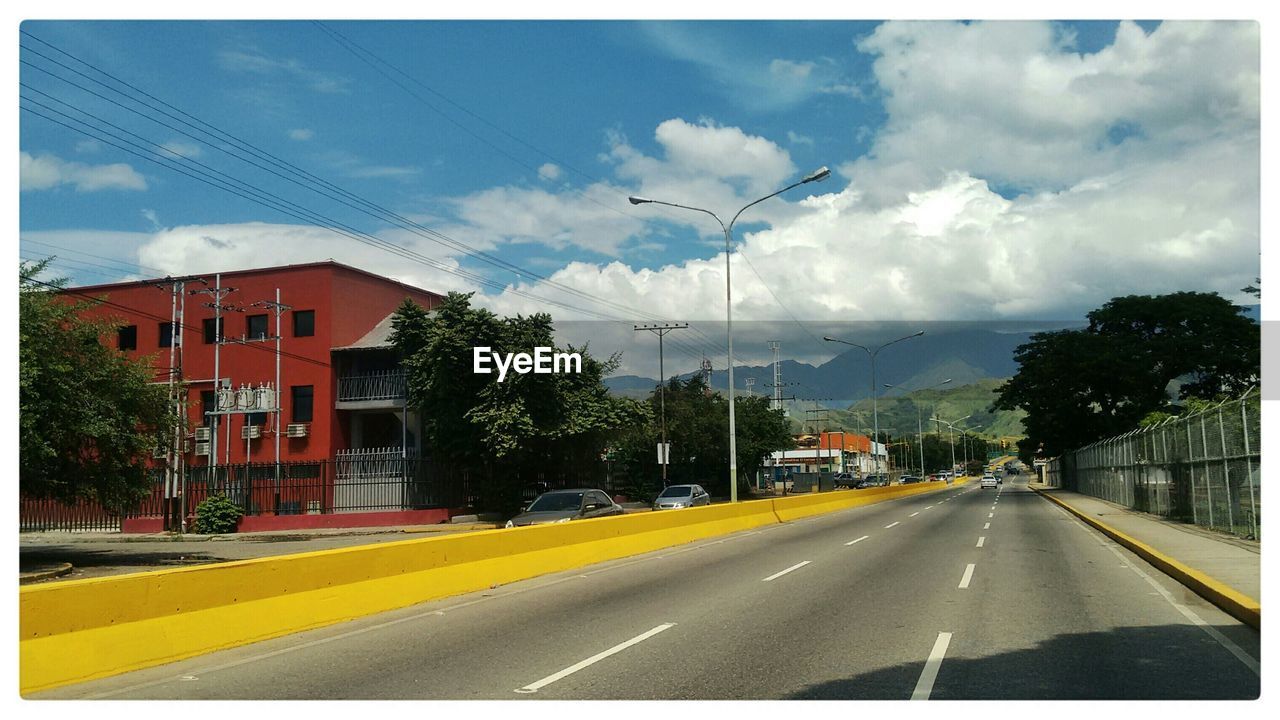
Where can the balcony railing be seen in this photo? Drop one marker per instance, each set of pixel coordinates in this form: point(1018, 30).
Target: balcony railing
point(381, 385)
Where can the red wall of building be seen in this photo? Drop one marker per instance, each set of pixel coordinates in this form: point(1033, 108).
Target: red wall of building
point(347, 304)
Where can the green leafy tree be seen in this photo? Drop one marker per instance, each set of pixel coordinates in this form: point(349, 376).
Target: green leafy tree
point(1078, 386)
point(698, 430)
point(89, 417)
point(513, 431)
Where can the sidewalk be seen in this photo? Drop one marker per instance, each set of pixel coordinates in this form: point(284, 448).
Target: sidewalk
point(1231, 561)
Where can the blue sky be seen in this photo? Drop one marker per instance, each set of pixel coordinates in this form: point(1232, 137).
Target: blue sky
point(1101, 158)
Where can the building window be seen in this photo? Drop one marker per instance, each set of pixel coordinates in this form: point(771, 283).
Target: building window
point(207, 405)
point(257, 326)
point(166, 334)
point(255, 418)
point(127, 337)
point(302, 396)
point(304, 323)
point(212, 332)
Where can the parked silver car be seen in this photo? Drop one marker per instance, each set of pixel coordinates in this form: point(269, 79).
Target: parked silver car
point(560, 506)
point(681, 496)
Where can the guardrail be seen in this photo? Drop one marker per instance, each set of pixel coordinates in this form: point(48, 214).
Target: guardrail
point(80, 630)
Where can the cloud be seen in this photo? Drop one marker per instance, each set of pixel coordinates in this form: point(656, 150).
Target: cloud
point(1014, 178)
point(796, 138)
point(88, 147)
point(152, 218)
point(203, 249)
point(549, 171)
point(741, 76)
point(43, 172)
point(716, 165)
point(184, 148)
point(256, 63)
point(1014, 103)
point(301, 134)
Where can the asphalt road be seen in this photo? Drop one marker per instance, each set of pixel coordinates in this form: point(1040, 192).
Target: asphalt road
point(966, 593)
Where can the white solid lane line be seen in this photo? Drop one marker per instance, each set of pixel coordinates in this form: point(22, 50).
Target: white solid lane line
point(987, 526)
point(535, 687)
point(982, 539)
point(777, 575)
point(851, 542)
point(924, 686)
point(895, 522)
point(968, 575)
point(914, 514)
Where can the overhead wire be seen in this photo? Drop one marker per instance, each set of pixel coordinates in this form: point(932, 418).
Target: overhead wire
point(400, 250)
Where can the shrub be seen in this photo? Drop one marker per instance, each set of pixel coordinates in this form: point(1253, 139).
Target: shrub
point(217, 515)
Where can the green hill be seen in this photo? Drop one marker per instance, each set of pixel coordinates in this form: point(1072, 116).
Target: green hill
point(898, 412)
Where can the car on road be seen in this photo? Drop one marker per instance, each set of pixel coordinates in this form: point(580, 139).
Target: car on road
point(909, 479)
point(681, 496)
point(876, 480)
point(560, 506)
point(989, 481)
point(845, 481)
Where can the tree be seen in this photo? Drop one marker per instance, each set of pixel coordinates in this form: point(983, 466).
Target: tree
point(698, 430)
point(1078, 386)
point(527, 426)
point(88, 416)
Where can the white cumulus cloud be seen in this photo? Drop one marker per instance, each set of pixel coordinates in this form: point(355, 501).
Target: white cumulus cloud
point(43, 172)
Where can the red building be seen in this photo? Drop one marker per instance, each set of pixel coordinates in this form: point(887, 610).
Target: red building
point(341, 390)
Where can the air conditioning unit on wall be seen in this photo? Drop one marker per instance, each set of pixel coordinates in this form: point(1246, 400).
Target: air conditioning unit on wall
point(202, 448)
point(202, 434)
point(250, 432)
point(296, 430)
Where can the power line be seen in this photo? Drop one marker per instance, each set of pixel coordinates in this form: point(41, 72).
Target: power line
point(311, 180)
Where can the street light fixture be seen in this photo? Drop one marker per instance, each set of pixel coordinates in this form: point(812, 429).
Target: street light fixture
point(875, 392)
point(818, 175)
point(919, 422)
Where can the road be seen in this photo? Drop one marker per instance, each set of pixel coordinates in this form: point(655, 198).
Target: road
point(965, 593)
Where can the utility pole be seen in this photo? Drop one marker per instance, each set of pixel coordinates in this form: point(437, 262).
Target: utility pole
point(776, 347)
point(751, 384)
point(218, 293)
point(278, 308)
point(661, 329)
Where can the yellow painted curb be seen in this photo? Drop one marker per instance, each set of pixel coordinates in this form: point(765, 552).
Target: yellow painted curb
point(1231, 601)
point(81, 630)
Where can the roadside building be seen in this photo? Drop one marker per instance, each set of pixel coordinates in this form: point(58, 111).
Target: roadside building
point(345, 436)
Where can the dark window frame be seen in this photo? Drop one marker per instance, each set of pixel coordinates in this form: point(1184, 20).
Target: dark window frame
point(127, 337)
point(298, 321)
point(248, 327)
point(213, 329)
point(296, 395)
point(165, 334)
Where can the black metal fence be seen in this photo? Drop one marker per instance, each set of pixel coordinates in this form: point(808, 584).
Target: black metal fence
point(360, 481)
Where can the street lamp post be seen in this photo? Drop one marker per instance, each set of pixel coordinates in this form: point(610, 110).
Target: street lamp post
point(820, 174)
point(920, 422)
point(875, 394)
point(951, 437)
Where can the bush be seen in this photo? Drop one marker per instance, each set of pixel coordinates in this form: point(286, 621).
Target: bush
point(217, 515)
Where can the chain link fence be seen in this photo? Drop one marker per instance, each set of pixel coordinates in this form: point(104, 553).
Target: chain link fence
point(1204, 468)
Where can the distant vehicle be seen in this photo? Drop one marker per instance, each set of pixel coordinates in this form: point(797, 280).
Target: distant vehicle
point(560, 506)
point(908, 480)
point(845, 481)
point(989, 481)
point(876, 480)
point(681, 496)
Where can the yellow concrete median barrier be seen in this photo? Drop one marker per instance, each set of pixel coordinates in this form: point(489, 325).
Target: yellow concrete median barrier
point(85, 629)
